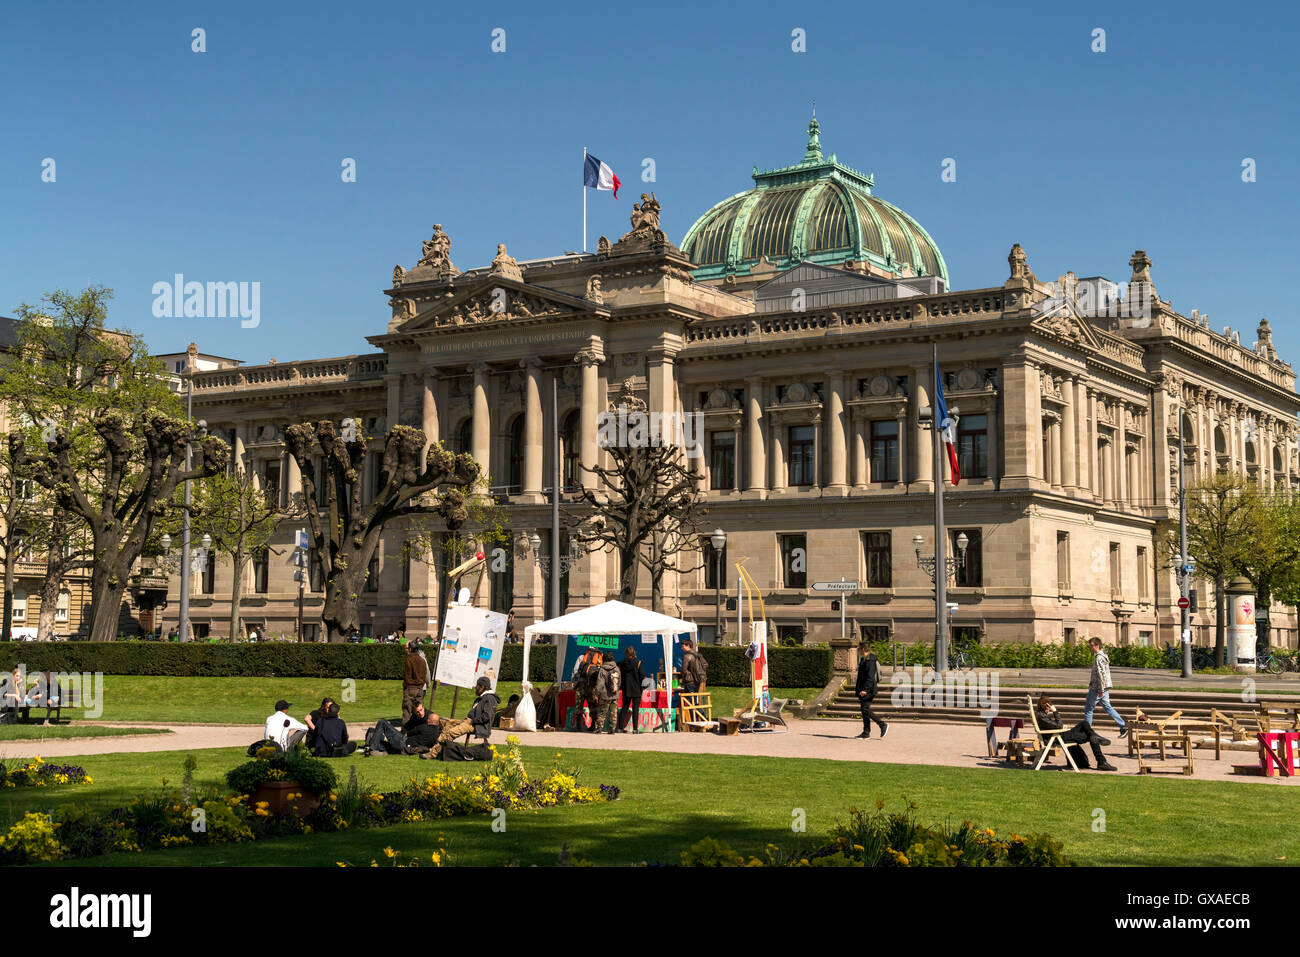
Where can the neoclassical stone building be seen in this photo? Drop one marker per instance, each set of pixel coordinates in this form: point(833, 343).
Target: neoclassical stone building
point(797, 319)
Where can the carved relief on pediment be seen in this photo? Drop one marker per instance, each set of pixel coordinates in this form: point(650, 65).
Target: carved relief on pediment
point(495, 304)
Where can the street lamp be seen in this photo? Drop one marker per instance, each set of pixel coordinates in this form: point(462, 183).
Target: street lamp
point(185, 523)
point(952, 566)
point(719, 541)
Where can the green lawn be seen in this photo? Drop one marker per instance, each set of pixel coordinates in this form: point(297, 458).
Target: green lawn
point(42, 732)
point(251, 700)
point(669, 801)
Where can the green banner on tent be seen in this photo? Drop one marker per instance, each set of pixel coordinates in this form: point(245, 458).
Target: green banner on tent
point(597, 641)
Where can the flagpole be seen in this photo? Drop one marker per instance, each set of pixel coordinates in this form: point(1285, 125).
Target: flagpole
point(940, 537)
point(584, 199)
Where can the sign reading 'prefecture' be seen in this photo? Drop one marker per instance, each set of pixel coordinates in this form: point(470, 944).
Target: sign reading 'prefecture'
point(835, 586)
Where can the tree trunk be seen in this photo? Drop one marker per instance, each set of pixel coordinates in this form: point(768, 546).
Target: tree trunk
point(339, 614)
point(629, 567)
point(108, 583)
point(1220, 620)
point(237, 594)
point(50, 589)
point(8, 616)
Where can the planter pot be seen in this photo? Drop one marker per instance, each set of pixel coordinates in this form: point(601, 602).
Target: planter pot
point(276, 795)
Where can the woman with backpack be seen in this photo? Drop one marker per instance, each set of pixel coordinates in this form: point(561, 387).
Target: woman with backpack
point(631, 678)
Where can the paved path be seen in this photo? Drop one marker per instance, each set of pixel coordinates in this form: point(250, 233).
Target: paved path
point(948, 745)
point(1125, 678)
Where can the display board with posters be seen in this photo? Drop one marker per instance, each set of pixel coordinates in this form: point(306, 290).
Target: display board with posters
point(471, 646)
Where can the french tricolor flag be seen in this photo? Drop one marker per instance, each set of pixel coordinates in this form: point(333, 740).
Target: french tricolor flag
point(598, 175)
point(947, 430)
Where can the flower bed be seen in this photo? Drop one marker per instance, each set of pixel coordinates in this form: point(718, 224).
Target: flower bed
point(37, 774)
point(178, 818)
point(897, 839)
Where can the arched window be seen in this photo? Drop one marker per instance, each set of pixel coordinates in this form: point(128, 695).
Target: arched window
point(572, 475)
point(515, 457)
point(464, 438)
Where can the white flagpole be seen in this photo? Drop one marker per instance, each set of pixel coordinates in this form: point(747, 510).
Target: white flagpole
point(584, 199)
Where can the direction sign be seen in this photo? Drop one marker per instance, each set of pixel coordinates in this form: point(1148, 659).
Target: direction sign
point(835, 586)
point(1183, 602)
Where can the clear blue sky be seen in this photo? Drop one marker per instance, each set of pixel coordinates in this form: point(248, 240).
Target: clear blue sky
point(225, 165)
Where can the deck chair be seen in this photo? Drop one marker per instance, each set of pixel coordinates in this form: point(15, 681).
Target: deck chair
point(772, 716)
point(1047, 739)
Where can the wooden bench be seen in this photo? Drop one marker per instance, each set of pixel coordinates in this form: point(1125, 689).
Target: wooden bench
point(1161, 738)
point(695, 711)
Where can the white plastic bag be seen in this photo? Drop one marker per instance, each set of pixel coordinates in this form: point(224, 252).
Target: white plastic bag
point(526, 711)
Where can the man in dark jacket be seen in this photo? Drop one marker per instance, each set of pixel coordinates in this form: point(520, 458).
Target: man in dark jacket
point(695, 669)
point(631, 675)
point(1049, 719)
point(478, 721)
point(332, 735)
point(415, 675)
point(425, 733)
point(867, 684)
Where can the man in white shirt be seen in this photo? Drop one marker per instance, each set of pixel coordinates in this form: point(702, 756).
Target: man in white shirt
point(282, 729)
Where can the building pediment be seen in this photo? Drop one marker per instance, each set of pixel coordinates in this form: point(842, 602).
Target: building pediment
point(1060, 319)
point(491, 299)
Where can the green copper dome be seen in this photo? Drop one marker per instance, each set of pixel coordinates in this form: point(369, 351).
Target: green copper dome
point(818, 211)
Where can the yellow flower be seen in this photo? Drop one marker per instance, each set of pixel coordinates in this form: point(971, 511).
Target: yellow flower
point(389, 852)
point(340, 864)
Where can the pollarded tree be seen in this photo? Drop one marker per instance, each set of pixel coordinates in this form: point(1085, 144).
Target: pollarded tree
point(112, 447)
point(348, 534)
point(647, 504)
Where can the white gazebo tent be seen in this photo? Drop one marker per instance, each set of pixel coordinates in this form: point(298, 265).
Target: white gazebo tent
point(611, 618)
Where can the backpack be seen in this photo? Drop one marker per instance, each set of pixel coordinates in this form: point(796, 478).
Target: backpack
point(374, 741)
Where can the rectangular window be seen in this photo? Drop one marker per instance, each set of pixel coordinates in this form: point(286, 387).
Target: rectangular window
point(794, 561)
point(202, 630)
point(317, 576)
point(872, 634)
point(1115, 578)
point(973, 446)
point(210, 573)
point(262, 571)
point(803, 465)
point(710, 558)
point(1063, 561)
point(309, 632)
point(61, 609)
point(1142, 573)
point(406, 570)
point(1144, 639)
point(722, 460)
point(971, 574)
point(877, 551)
point(1070, 636)
point(271, 483)
point(884, 451)
point(372, 574)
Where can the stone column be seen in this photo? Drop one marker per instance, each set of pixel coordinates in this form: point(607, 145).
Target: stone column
point(818, 476)
point(393, 414)
point(924, 475)
point(293, 484)
point(532, 426)
point(1022, 391)
point(1069, 440)
point(754, 444)
point(429, 406)
point(837, 443)
point(481, 430)
point(238, 451)
point(736, 429)
point(1082, 437)
point(903, 444)
point(1121, 452)
point(860, 452)
point(589, 411)
point(779, 474)
point(1058, 479)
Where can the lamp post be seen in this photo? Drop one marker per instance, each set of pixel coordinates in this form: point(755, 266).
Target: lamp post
point(719, 542)
point(951, 567)
point(185, 520)
point(1184, 563)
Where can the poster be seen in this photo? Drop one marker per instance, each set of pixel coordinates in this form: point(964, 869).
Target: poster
point(471, 647)
point(757, 654)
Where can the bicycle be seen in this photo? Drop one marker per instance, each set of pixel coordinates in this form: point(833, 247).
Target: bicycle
point(959, 660)
point(1271, 663)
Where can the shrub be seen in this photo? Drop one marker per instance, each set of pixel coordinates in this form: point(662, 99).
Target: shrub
point(314, 774)
point(271, 660)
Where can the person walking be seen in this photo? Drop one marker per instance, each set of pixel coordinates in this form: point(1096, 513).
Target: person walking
point(415, 675)
point(695, 670)
point(866, 686)
point(1099, 686)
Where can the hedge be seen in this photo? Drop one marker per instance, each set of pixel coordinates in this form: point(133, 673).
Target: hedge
point(790, 667)
point(1023, 655)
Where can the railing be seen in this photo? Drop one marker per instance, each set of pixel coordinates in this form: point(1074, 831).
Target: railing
point(308, 372)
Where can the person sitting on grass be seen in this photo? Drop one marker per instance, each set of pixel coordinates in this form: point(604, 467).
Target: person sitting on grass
point(478, 721)
point(426, 733)
point(282, 729)
point(314, 719)
point(332, 735)
point(1049, 719)
point(418, 717)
